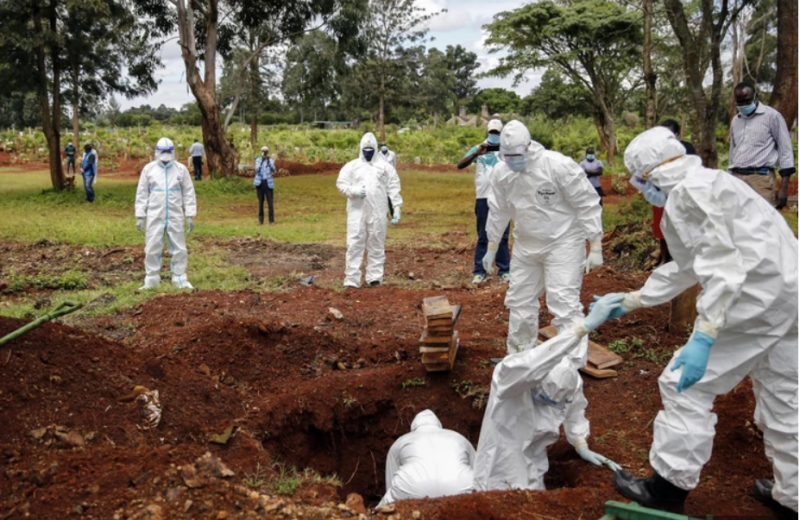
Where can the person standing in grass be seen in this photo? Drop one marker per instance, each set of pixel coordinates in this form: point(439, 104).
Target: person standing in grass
point(484, 156)
point(89, 171)
point(594, 169)
point(70, 152)
point(265, 184)
point(196, 151)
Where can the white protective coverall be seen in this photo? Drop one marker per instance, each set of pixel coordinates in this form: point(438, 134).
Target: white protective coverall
point(518, 425)
point(555, 210)
point(726, 237)
point(165, 197)
point(366, 217)
point(428, 462)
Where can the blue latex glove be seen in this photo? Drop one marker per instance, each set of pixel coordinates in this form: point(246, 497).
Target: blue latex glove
point(601, 310)
point(190, 223)
point(615, 313)
point(694, 359)
point(396, 216)
point(597, 459)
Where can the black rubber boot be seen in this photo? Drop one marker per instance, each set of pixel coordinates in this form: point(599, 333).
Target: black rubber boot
point(654, 491)
point(763, 490)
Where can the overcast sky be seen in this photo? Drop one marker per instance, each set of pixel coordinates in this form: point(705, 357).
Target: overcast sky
point(460, 25)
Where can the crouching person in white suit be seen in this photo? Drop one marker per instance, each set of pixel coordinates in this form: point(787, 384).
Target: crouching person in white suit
point(428, 462)
point(533, 393)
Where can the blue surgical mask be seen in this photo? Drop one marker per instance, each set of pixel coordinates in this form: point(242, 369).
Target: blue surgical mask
point(384, 148)
point(747, 109)
point(493, 139)
point(590, 157)
point(516, 162)
point(369, 153)
point(654, 196)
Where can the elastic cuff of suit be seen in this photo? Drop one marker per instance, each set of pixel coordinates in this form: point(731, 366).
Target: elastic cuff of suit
point(632, 301)
point(580, 329)
point(787, 172)
point(580, 444)
point(493, 246)
point(706, 328)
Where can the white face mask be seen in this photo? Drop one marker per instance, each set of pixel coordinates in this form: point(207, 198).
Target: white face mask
point(516, 162)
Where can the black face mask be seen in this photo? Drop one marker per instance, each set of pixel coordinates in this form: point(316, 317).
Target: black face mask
point(369, 153)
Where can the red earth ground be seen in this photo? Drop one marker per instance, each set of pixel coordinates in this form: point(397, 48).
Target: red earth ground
point(305, 389)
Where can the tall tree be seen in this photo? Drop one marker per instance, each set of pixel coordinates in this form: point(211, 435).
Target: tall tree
point(37, 37)
point(208, 28)
point(392, 25)
point(596, 43)
point(784, 91)
point(649, 73)
point(462, 65)
point(496, 99)
point(700, 36)
point(557, 99)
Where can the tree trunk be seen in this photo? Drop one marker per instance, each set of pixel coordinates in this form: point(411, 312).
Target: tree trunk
point(650, 76)
point(51, 115)
point(381, 127)
point(784, 92)
point(76, 103)
point(254, 101)
point(223, 159)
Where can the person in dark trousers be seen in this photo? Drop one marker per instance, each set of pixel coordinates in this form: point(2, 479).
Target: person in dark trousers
point(664, 255)
point(264, 183)
point(594, 169)
point(196, 151)
point(484, 157)
point(70, 152)
point(760, 146)
point(89, 171)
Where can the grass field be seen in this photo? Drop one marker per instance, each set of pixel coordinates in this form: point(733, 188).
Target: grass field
point(309, 209)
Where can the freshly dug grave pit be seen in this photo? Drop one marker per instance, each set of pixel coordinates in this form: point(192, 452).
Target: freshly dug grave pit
point(268, 365)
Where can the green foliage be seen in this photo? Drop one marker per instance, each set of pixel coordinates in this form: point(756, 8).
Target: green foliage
point(416, 381)
point(288, 480)
point(498, 100)
point(68, 281)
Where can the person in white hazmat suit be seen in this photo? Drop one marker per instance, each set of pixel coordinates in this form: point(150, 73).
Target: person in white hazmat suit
point(727, 238)
point(428, 462)
point(368, 183)
point(164, 198)
point(555, 210)
point(532, 394)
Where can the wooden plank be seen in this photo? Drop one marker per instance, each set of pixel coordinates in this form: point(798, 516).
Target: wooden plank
point(443, 348)
point(436, 307)
point(434, 341)
point(597, 373)
point(599, 356)
point(448, 322)
point(447, 333)
point(451, 360)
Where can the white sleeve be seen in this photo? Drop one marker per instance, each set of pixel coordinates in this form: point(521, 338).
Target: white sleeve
point(344, 181)
point(520, 372)
point(716, 261)
point(142, 194)
point(393, 462)
point(499, 213)
point(664, 285)
point(576, 425)
point(581, 195)
point(393, 187)
point(189, 198)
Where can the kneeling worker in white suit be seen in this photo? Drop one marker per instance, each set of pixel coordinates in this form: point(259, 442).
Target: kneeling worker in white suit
point(368, 183)
point(533, 393)
point(164, 197)
point(428, 462)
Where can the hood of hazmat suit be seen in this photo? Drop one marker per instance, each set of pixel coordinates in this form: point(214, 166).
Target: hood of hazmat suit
point(517, 428)
point(649, 150)
point(165, 150)
point(726, 237)
point(428, 462)
point(165, 197)
point(551, 201)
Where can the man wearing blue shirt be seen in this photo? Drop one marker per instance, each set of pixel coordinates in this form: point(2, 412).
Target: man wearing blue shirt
point(264, 183)
point(484, 156)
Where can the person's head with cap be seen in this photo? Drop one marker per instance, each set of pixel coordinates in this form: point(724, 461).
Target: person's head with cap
point(590, 154)
point(493, 130)
point(264, 151)
point(384, 148)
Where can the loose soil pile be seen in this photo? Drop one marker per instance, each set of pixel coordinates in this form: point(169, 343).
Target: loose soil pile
point(299, 387)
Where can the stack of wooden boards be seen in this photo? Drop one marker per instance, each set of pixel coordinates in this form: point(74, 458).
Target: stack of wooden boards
point(601, 361)
point(439, 341)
